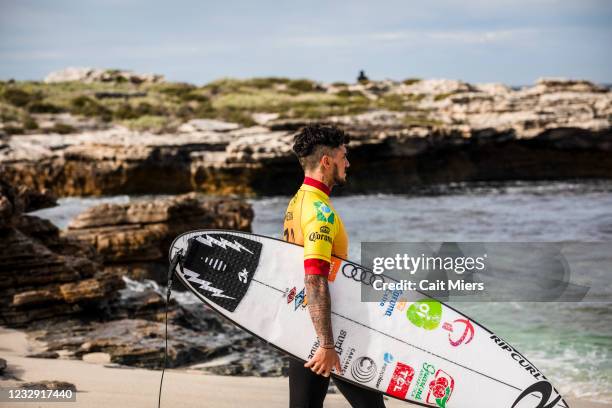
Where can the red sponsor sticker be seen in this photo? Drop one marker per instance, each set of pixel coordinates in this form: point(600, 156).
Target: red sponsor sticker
point(464, 337)
point(400, 382)
point(291, 295)
point(440, 389)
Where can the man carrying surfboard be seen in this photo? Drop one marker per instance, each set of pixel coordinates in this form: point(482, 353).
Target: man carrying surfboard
point(311, 221)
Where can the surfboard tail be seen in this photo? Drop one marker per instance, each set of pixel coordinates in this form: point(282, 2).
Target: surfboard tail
point(220, 267)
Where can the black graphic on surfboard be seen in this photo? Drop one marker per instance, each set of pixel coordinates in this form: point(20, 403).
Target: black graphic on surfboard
point(220, 267)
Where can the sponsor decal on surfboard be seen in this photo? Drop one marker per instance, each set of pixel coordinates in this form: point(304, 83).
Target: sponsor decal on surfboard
point(291, 294)
point(420, 385)
point(544, 390)
point(440, 389)
point(425, 313)
point(401, 380)
point(388, 359)
point(462, 327)
point(363, 369)
point(389, 299)
point(518, 357)
point(300, 301)
point(346, 361)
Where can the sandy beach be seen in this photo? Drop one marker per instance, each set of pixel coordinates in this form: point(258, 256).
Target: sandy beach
point(101, 386)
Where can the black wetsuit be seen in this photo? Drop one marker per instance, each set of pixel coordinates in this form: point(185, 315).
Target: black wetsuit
point(308, 390)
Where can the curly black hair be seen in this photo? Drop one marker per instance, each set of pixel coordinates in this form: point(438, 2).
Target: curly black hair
point(312, 141)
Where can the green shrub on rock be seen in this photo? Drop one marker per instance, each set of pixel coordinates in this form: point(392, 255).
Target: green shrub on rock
point(29, 123)
point(155, 124)
point(176, 90)
point(302, 85)
point(127, 111)
point(62, 129)
point(18, 97)
point(266, 83)
point(14, 130)
point(411, 81)
point(44, 107)
point(194, 96)
point(84, 105)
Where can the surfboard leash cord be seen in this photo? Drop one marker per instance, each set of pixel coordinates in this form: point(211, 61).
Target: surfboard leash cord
point(177, 260)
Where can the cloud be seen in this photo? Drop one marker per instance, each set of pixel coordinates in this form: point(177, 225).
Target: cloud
point(32, 55)
point(447, 37)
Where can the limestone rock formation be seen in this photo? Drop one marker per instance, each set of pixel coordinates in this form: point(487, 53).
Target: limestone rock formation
point(44, 275)
point(48, 385)
point(133, 239)
point(84, 74)
point(435, 87)
point(438, 131)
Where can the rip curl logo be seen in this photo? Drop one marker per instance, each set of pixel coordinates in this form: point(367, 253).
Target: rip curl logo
point(324, 213)
point(546, 392)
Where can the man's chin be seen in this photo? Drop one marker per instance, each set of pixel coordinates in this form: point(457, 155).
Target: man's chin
point(340, 182)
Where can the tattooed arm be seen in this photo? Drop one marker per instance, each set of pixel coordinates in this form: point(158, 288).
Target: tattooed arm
point(319, 307)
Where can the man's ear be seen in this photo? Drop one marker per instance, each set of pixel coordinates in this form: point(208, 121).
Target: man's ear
point(325, 161)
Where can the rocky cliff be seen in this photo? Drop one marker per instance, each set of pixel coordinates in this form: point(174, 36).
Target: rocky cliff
point(413, 133)
point(133, 239)
point(45, 275)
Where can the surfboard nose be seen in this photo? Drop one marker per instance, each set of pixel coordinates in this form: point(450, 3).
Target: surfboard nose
point(220, 267)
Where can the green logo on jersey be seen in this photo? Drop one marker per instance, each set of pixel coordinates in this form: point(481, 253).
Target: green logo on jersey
point(324, 213)
point(425, 313)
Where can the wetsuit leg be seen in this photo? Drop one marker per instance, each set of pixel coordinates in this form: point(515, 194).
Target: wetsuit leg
point(359, 397)
point(306, 389)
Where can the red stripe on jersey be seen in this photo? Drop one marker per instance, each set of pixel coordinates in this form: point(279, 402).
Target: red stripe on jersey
point(316, 267)
point(317, 184)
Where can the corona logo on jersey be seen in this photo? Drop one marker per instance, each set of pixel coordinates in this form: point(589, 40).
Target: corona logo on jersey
point(315, 236)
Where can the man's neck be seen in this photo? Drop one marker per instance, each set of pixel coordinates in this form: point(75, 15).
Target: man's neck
point(320, 178)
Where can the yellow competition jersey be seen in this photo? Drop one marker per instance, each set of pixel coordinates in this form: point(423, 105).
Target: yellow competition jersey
point(311, 221)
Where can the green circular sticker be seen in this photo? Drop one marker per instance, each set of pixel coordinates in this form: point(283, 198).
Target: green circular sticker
point(425, 313)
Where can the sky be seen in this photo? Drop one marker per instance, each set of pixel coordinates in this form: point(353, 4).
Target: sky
point(197, 41)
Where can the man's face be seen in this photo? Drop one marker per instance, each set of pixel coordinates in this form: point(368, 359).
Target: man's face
point(339, 165)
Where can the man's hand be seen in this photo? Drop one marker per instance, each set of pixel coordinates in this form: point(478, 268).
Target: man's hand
point(323, 361)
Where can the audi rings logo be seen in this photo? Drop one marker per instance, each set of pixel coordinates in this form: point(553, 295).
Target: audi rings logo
point(357, 273)
point(363, 369)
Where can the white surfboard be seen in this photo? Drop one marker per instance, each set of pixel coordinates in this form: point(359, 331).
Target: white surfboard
point(407, 346)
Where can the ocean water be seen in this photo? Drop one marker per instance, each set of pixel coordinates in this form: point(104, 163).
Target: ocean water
point(571, 343)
